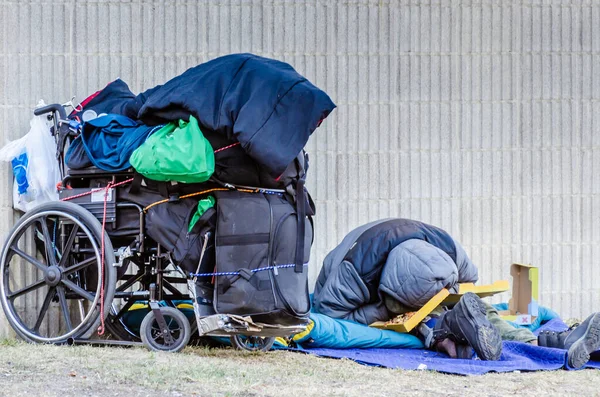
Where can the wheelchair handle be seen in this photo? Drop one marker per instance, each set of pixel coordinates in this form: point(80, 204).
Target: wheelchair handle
point(55, 107)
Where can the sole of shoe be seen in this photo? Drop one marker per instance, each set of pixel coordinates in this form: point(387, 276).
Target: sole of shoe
point(488, 342)
point(579, 353)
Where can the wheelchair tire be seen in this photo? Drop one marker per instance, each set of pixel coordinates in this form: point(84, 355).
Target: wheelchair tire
point(252, 343)
point(59, 278)
point(179, 327)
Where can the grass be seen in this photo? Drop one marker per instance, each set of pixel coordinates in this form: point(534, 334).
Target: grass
point(38, 370)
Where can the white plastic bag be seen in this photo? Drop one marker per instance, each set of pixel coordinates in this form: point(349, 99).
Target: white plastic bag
point(34, 164)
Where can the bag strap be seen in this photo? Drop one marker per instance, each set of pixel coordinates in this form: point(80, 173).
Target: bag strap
point(134, 187)
point(301, 213)
point(162, 189)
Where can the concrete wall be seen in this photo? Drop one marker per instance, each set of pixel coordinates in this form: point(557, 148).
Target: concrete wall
point(478, 116)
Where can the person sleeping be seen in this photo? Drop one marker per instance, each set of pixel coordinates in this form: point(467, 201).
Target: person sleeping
point(394, 266)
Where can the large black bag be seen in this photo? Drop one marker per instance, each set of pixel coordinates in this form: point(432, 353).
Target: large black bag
point(167, 224)
point(261, 231)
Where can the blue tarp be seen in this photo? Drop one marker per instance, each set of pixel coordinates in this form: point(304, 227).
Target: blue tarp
point(516, 356)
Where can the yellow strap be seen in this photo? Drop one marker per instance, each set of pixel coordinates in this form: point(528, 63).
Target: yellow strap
point(217, 189)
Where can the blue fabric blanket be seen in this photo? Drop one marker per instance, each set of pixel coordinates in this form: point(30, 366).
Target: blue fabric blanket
point(515, 357)
point(109, 141)
point(262, 103)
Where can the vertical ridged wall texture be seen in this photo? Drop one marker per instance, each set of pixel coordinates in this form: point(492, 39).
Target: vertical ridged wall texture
point(478, 116)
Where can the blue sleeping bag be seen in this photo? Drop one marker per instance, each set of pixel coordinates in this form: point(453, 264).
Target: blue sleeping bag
point(324, 331)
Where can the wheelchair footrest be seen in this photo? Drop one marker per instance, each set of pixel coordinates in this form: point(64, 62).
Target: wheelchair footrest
point(231, 324)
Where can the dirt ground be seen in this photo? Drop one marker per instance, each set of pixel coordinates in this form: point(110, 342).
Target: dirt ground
point(34, 370)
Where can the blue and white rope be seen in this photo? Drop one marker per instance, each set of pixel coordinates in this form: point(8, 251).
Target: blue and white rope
point(260, 269)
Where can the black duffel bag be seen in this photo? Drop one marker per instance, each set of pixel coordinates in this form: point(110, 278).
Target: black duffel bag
point(257, 238)
point(167, 224)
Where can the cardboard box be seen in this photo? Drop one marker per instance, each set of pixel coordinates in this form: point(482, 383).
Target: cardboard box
point(523, 305)
point(443, 298)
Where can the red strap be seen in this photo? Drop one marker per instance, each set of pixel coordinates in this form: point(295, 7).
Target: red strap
point(227, 147)
point(101, 329)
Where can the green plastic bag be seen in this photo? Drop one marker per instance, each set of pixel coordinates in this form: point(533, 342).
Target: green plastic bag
point(177, 152)
point(203, 206)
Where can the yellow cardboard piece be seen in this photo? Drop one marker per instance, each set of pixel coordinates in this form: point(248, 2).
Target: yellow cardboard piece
point(419, 315)
point(444, 298)
point(482, 291)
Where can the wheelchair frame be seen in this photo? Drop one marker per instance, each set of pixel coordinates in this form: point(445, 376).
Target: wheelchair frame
point(83, 243)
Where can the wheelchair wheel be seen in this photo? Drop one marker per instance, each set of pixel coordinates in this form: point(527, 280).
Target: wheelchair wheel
point(179, 329)
point(252, 343)
point(50, 284)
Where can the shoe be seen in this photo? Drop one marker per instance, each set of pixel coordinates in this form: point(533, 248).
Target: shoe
point(580, 340)
point(467, 324)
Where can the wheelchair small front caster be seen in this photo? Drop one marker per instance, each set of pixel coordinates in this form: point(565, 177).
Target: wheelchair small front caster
point(172, 336)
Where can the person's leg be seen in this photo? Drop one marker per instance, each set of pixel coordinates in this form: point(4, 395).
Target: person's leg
point(580, 341)
point(467, 324)
point(507, 331)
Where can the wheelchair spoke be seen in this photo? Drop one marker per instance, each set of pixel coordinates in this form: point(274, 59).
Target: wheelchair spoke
point(50, 256)
point(25, 290)
point(68, 246)
point(79, 266)
point(78, 290)
point(44, 309)
point(64, 307)
point(29, 258)
point(158, 336)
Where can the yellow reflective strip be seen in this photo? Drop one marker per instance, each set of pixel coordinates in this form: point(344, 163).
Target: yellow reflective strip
point(307, 331)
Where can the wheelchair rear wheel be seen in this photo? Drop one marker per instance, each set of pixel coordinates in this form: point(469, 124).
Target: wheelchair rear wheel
point(50, 284)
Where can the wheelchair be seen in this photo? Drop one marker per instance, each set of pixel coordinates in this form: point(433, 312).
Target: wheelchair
point(85, 262)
